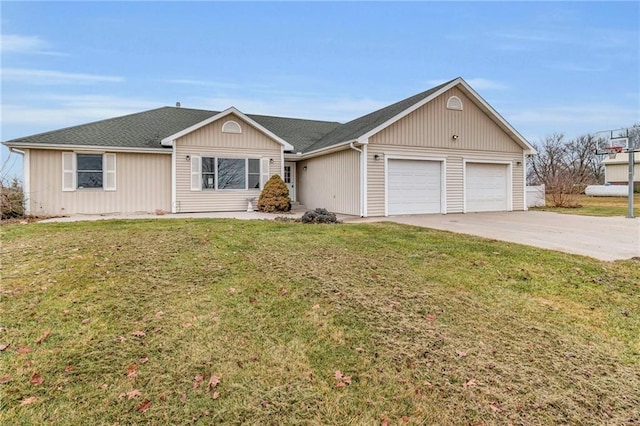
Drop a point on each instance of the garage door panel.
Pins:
(486, 187)
(414, 186)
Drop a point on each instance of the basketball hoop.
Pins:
(612, 151)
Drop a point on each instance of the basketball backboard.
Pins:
(618, 140)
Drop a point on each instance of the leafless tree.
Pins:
(566, 167)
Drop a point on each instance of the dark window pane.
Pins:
(89, 162)
(208, 181)
(254, 166)
(231, 173)
(208, 165)
(89, 179)
(254, 181)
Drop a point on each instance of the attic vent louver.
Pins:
(177, 104)
(454, 103)
(231, 127)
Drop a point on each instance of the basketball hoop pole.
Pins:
(631, 160)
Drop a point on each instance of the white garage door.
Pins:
(486, 188)
(413, 186)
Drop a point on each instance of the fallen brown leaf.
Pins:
(28, 401)
(133, 394)
(470, 383)
(347, 379)
(5, 379)
(122, 339)
(44, 336)
(215, 395)
(3, 347)
(86, 321)
(144, 359)
(213, 382)
(315, 307)
(183, 398)
(384, 422)
(144, 406)
(197, 380)
(232, 290)
(283, 292)
(68, 368)
(36, 379)
(405, 419)
(495, 408)
(24, 350)
(159, 314)
(431, 317)
(340, 385)
(338, 375)
(131, 371)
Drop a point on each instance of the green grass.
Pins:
(596, 206)
(432, 327)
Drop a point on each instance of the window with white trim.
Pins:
(88, 171)
(228, 173)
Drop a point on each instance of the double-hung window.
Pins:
(88, 171)
(228, 173)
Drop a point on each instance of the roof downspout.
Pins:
(362, 168)
(26, 177)
(174, 195)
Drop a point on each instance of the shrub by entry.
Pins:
(319, 216)
(274, 196)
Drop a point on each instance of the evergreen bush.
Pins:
(319, 216)
(274, 196)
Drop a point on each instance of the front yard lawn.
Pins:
(597, 206)
(256, 322)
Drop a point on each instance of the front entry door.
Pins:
(290, 179)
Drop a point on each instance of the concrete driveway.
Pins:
(604, 238)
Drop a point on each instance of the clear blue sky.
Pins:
(547, 67)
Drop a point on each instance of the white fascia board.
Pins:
(101, 148)
(327, 150)
(168, 141)
(528, 148)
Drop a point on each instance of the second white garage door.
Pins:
(414, 186)
(487, 187)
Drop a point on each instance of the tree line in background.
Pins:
(566, 166)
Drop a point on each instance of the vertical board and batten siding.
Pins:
(427, 133)
(209, 141)
(331, 182)
(143, 184)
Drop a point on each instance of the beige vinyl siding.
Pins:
(209, 141)
(617, 170)
(143, 185)
(427, 133)
(454, 174)
(433, 125)
(331, 181)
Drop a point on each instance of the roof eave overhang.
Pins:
(67, 147)
(322, 151)
(169, 140)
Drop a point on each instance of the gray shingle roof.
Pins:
(147, 129)
(141, 130)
